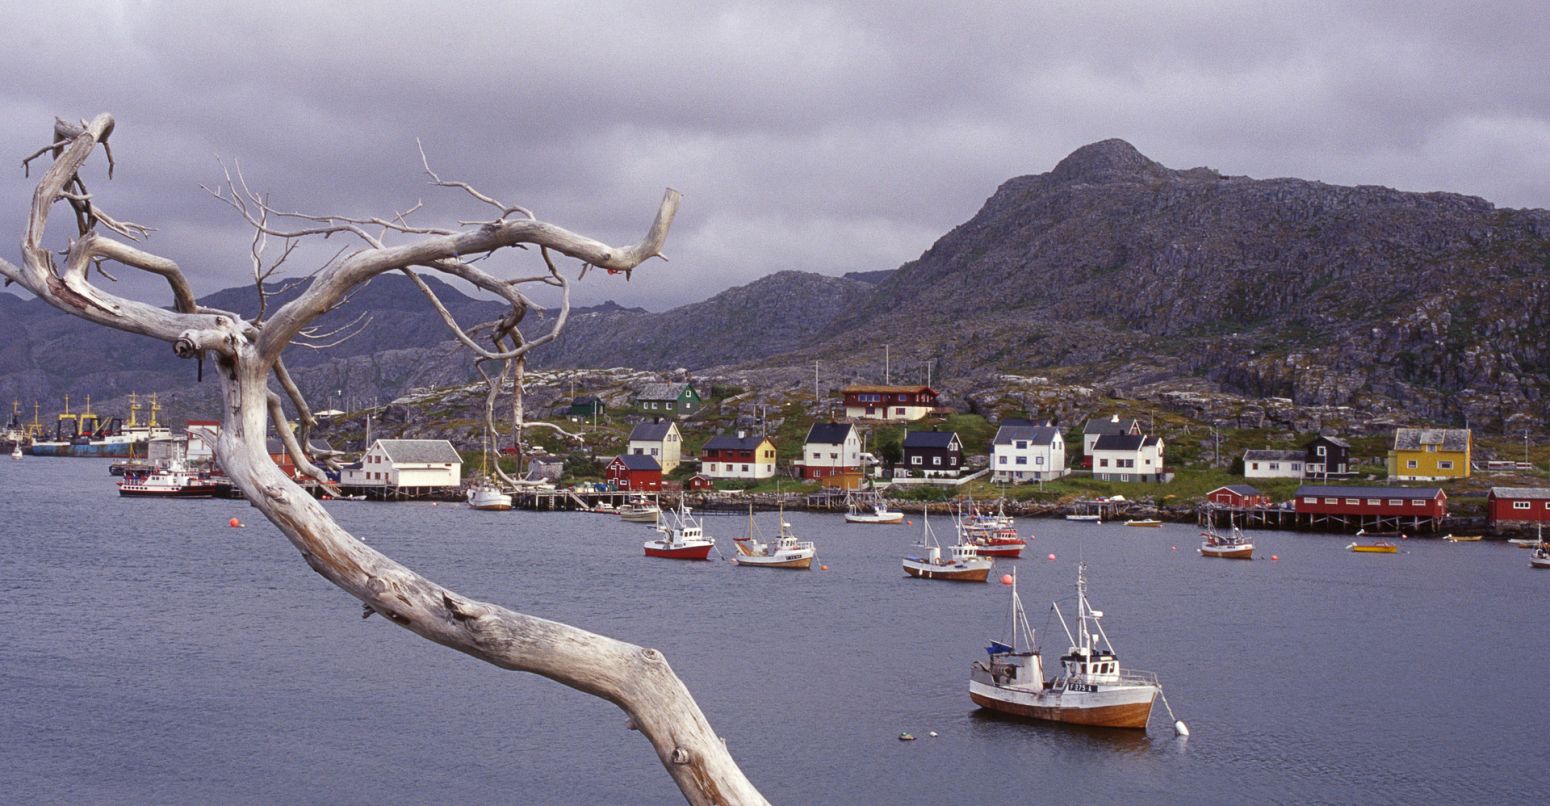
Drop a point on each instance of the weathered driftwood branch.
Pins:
(247, 354)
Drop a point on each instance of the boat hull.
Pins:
(1228, 552)
(953, 573)
(681, 552)
(186, 491)
(798, 563)
(1133, 715)
(1147, 524)
(1009, 550)
(1374, 549)
(890, 518)
(1539, 562)
(639, 517)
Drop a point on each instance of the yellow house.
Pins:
(1430, 454)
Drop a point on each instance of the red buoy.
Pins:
(1274, 557)
(1006, 579)
(1052, 556)
(234, 523)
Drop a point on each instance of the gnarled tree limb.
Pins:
(247, 353)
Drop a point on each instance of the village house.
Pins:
(931, 454)
(739, 457)
(1272, 464)
(831, 450)
(1430, 454)
(673, 398)
(411, 466)
(1027, 453)
(889, 403)
(1516, 506)
(660, 440)
(634, 472)
(1238, 496)
(1099, 426)
(1372, 502)
(1129, 457)
(1327, 457)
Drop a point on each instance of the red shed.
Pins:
(1238, 496)
(1517, 505)
(1372, 502)
(635, 472)
(701, 482)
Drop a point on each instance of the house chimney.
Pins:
(741, 434)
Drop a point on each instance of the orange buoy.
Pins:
(1173, 548)
(823, 567)
(234, 523)
(1274, 557)
(1006, 579)
(909, 523)
(1052, 556)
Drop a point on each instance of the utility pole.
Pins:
(816, 398)
(929, 362)
(886, 380)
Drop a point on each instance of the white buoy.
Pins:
(1180, 728)
(932, 734)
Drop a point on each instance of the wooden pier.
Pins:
(1282, 518)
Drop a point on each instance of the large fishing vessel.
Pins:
(85, 433)
(1089, 688)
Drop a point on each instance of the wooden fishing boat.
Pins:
(1380, 547)
(869, 508)
(786, 551)
(639, 510)
(1144, 522)
(1462, 538)
(486, 495)
(681, 539)
(1090, 688)
(1231, 546)
(963, 563)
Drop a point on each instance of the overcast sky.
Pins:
(832, 137)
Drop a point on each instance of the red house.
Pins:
(1380, 502)
(1506, 505)
(1238, 496)
(635, 472)
(904, 403)
(701, 482)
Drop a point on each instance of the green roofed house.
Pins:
(670, 398)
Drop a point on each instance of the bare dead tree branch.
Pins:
(247, 353)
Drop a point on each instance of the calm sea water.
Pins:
(151, 654)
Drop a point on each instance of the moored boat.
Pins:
(994, 534)
(681, 539)
(1524, 542)
(871, 509)
(639, 510)
(785, 551)
(1085, 518)
(1462, 538)
(486, 496)
(1089, 687)
(963, 563)
(172, 481)
(16, 452)
(1231, 546)
(1380, 547)
(1144, 522)
(1541, 557)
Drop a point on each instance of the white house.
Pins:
(1268, 464)
(406, 464)
(1027, 453)
(659, 440)
(831, 449)
(1129, 457)
(1098, 426)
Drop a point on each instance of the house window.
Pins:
(1296, 468)
(1273, 466)
(936, 460)
(1255, 466)
(1331, 500)
(1124, 477)
(914, 460)
(1021, 445)
(1022, 460)
(899, 411)
(1103, 463)
(1372, 502)
(1444, 464)
(1038, 460)
(1353, 500)
(1001, 460)
(745, 468)
(1319, 451)
(1310, 500)
(1520, 505)
(1410, 464)
(1396, 502)
(668, 405)
(653, 451)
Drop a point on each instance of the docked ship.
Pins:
(175, 480)
(88, 434)
(1088, 689)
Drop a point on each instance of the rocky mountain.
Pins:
(1110, 271)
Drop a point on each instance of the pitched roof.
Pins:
(1036, 434)
(1331, 440)
(1123, 442)
(1240, 489)
(1023, 421)
(661, 391)
(650, 432)
(637, 461)
(1369, 492)
(913, 390)
(930, 439)
(828, 433)
(1268, 455)
(1411, 439)
(729, 442)
(1110, 425)
(420, 451)
(1536, 493)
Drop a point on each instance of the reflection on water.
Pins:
(994, 726)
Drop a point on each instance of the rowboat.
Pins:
(1146, 522)
(1462, 538)
(1380, 547)
(1524, 542)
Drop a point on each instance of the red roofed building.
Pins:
(1238, 496)
(895, 403)
(635, 472)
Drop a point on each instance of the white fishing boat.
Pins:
(962, 564)
(16, 452)
(1524, 542)
(1085, 518)
(640, 510)
(1231, 546)
(785, 551)
(869, 508)
(1541, 557)
(1089, 688)
(485, 494)
(174, 480)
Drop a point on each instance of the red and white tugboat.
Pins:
(172, 481)
(1089, 689)
(963, 563)
(994, 534)
(683, 539)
